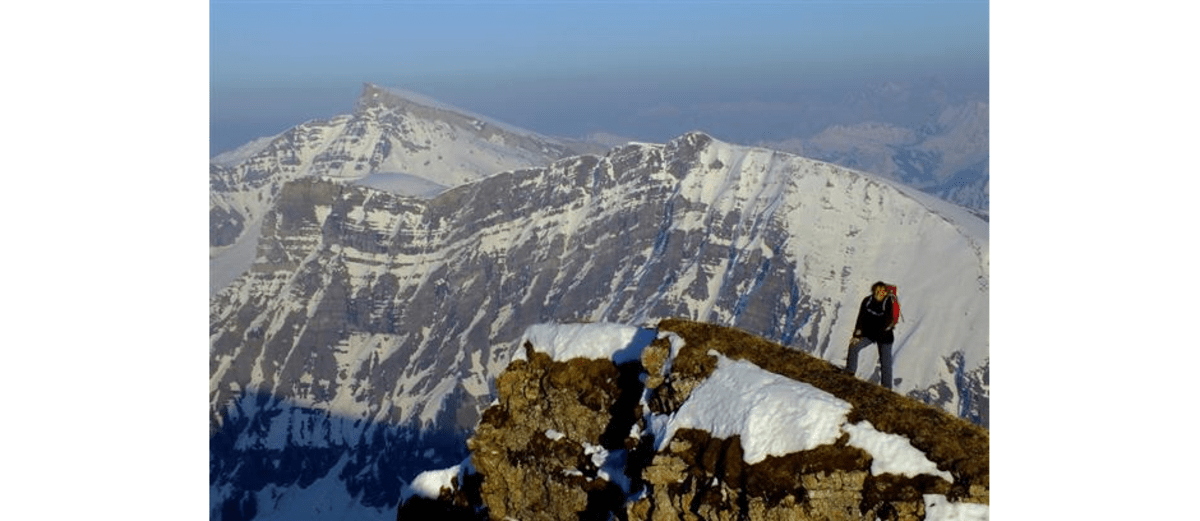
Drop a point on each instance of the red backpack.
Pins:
(891, 293)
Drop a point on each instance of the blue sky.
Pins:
(646, 69)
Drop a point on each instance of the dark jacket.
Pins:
(875, 320)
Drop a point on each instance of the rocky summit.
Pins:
(691, 420)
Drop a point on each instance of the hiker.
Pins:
(876, 318)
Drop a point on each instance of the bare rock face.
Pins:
(541, 449)
(575, 439)
(702, 477)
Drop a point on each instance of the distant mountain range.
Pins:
(947, 156)
(362, 338)
(409, 144)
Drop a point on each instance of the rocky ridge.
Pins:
(589, 437)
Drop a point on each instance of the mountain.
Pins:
(395, 140)
(365, 341)
(928, 133)
(946, 156)
(690, 420)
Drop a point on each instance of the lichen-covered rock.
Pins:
(540, 449)
(575, 439)
(699, 475)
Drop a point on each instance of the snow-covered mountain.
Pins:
(394, 140)
(947, 156)
(364, 342)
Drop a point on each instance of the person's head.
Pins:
(879, 290)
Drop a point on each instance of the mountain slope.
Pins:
(364, 342)
(390, 133)
(946, 156)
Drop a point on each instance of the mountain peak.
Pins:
(394, 138)
(373, 94)
(399, 99)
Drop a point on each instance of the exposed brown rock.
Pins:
(954, 444)
(531, 448)
(527, 473)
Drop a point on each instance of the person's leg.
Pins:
(852, 356)
(885, 365)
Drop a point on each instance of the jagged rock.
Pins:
(535, 448)
(669, 391)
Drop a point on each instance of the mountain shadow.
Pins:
(288, 445)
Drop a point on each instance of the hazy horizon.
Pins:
(742, 71)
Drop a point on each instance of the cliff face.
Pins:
(388, 134)
(707, 422)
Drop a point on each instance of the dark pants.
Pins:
(885, 360)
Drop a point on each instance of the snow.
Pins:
(430, 483)
(676, 343)
(596, 341)
(244, 152)
(326, 498)
(403, 184)
(421, 99)
(598, 454)
(938, 508)
(774, 415)
(893, 454)
(228, 263)
(610, 465)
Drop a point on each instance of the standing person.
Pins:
(874, 324)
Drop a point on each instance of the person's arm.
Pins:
(858, 322)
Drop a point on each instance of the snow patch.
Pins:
(429, 484)
(403, 184)
(322, 212)
(610, 465)
(938, 508)
(774, 415)
(891, 453)
(596, 341)
(326, 498)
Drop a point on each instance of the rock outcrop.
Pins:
(587, 438)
